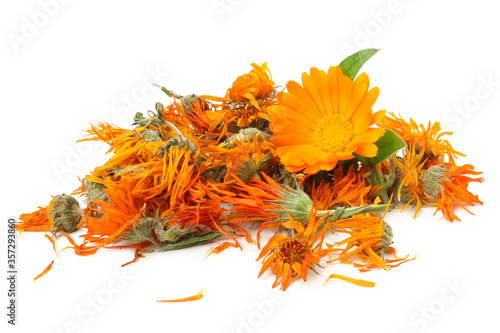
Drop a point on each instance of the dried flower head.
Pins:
(455, 190)
(429, 139)
(62, 213)
(65, 213)
(290, 258)
(255, 85)
(247, 100)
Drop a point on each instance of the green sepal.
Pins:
(141, 231)
(385, 240)
(387, 145)
(159, 106)
(140, 120)
(197, 238)
(95, 191)
(248, 169)
(352, 64)
(65, 214)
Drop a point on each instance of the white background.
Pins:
(84, 61)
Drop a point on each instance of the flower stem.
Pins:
(173, 128)
(345, 212)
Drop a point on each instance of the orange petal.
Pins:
(358, 282)
(367, 150)
(44, 271)
(185, 299)
(292, 224)
(53, 243)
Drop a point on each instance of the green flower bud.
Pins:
(432, 179)
(385, 241)
(64, 213)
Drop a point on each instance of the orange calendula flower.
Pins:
(248, 98)
(369, 238)
(442, 185)
(195, 109)
(254, 85)
(455, 192)
(409, 189)
(325, 120)
(430, 138)
(62, 213)
(290, 258)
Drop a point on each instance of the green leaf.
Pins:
(387, 145)
(197, 238)
(352, 64)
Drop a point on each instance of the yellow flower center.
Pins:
(292, 251)
(333, 134)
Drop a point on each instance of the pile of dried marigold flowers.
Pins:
(312, 162)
